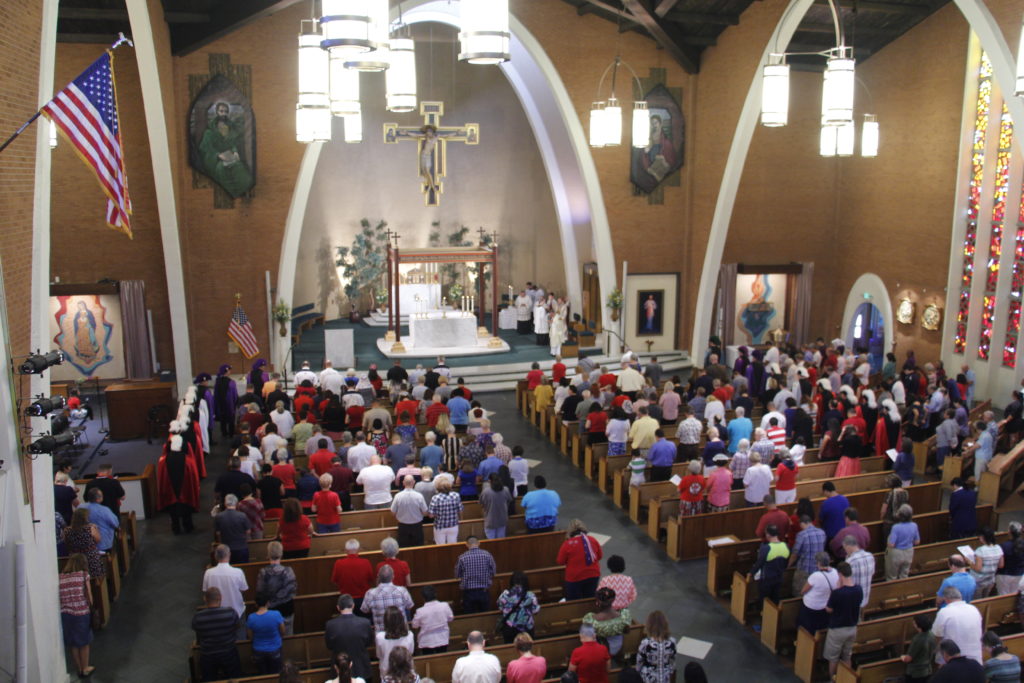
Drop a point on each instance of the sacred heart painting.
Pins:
(85, 331)
(222, 136)
(663, 155)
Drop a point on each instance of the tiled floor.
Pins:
(149, 635)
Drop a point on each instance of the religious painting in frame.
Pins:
(222, 136)
(650, 311)
(931, 317)
(760, 306)
(663, 155)
(905, 311)
(87, 329)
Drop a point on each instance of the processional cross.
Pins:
(432, 139)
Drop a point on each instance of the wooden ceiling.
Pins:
(683, 28)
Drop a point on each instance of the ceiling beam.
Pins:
(881, 7)
(225, 17)
(702, 41)
(99, 14)
(664, 6)
(866, 33)
(96, 38)
(667, 35)
(685, 17)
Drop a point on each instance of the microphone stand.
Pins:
(284, 370)
(100, 399)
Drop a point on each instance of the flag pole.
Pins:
(121, 40)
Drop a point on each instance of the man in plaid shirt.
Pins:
(385, 595)
(809, 542)
(863, 565)
(763, 446)
(689, 432)
(476, 569)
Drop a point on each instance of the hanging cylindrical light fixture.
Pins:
(314, 102)
(400, 80)
(869, 136)
(775, 92)
(346, 25)
(353, 128)
(827, 143)
(378, 58)
(484, 37)
(53, 135)
(845, 138)
(612, 122)
(344, 88)
(597, 124)
(641, 124)
(837, 92)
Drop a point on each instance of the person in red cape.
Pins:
(177, 484)
(888, 427)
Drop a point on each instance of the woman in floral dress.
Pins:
(656, 656)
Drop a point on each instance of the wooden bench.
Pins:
(428, 562)
(371, 519)
(999, 478)
(687, 536)
(890, 635)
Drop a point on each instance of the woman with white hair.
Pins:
(868, 408)
(714, 412)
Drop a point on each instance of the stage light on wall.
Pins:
(641, 125)
(44, 406)
(400, 80)
(346, 25)
(344, 88)
(314, 83)
(378, 58)
(36, 363)
(484, 37)
(775, 92)
(837, 91)
(869, 136)
(353, 128)
(51, 442)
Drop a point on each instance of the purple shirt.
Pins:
(662, 453)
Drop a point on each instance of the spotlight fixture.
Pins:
(36, 364)
(59, 423)
(44, 406)
(51, 442)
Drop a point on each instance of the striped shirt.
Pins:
(863, 565)
(73, 586)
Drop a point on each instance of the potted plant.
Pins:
(615, 302)
(282, 315)
(381, 299)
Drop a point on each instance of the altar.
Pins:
(413, 298)
(437, 330)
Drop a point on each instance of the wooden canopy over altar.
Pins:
(481, 255)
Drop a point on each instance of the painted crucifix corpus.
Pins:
(432, 138)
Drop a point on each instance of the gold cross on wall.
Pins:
(432, 139)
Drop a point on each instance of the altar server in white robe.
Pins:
(524, 312)
(540, 323)
(559, 330)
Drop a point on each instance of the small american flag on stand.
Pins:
(240, 331)
(85, 111)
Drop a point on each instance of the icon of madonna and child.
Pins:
(756, 315)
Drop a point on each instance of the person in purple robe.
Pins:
(204, 394)
(743, 361)
(257, 377)
(225, 401)
(757, 378)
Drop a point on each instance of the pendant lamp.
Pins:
(485, 34)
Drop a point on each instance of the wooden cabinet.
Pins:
(128, 406)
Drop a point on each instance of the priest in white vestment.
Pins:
(524, 312)
(559, 330)
(540, 323)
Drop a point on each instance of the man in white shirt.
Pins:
(359, 456)
(771, 354)
(230, 581)
(352, 397)
(630, 382)
(524, 312)
(271, 441)
(376, 480)
(442, 368)
(767, 418)
(419, 390)
(961, 622)
(283, 419)
(478, 666)
(332, 381)
(757, 481)
(306, 374)
(327, 374)
(409, 508)
(899, 393)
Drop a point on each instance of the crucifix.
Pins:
(432, 139)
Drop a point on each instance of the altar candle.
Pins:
(510, 297)
(472, 303)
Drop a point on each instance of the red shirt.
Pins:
(466, 393)
(410, 406)
(303, 402)
(434, 411)
(776, 517)
(74, 403)
(286, 473)
(254, 420)
(598, 422)
(527, 670)
(619, 400)
(353, 575)
(723, 394)
(607, 380)
(691, 488)
(533, 379)
(786, 477)
(777, 435)
(557, 372)
(327, 504)
(401, 569)
(342, 478)
(355, 416)
(320, 461)
(294, 535)
(860, 425)
(591, 662)
(572, 555)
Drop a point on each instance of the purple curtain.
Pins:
(137, 361)
(725, 325)
(802, 314)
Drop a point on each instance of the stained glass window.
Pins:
(995, 245)
(982, 107)
(1016, 289)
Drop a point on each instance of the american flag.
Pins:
(86, 113)
(240, 330)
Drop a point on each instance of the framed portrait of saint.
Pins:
(222, 136)
(663, 155)
(650, 312)
(905, 311)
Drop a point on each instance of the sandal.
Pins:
(85, 673)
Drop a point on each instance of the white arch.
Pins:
(572, 175)
(869, 288)
(1003, 67)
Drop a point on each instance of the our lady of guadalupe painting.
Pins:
(764, 308)
(85, 332)
(222, 136)
(663, 155)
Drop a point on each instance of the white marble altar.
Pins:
(456, 328)
(429, 298)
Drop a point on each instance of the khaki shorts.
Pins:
(839, 643)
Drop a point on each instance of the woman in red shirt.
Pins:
(389, 549)
(785, 478)
(597, 422)
(581, 556)
(327, 506)
(692, 488)
(294, 530)
(285, 471)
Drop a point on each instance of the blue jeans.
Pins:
(267, 662)
(328, 528)
(940, 455)
(495, 533)
(475, 600)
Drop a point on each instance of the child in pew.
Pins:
(921, 652)
(637, 467)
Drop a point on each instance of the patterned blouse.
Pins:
(517, 611)
(380, 441)
(73, 600)
(609, 627)
(81, 541)
(656, 660)
(625, 590)
(253, 509)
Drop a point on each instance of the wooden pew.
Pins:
(428, 562)
(687, 536)
(999, 478)
(890, 635)
(725, 560)
(327, 544)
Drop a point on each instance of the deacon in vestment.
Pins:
(559, 331)
(177, 482)
(540, 323)
(225, 401)
(524, 312)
